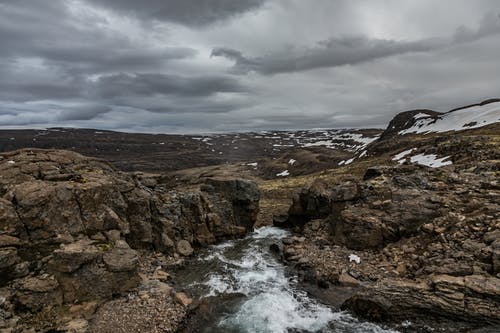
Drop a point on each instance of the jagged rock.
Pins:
(347, 281)
(244, 196)
(113, 235)
(492, 236)
(71, 257)
(183, 299)
(75, 326)
(184, 248)
(10, 224)
(34, 293)
(470, 298)
(121, 258)
(369, 214)
(8, 257)
(53, 201)
(495, 256)
(10, 265)
(78, 265)
(6, 240)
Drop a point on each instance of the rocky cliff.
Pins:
(75, 233)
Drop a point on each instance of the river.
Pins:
(248, 290)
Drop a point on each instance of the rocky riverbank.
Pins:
(76, 234)
(402, 242)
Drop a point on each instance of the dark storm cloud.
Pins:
(351, 50)
(146, 65)
(31, 30)
(331, 53)
(86, 112)
(147, 84)
(52, 53)
(188, 12)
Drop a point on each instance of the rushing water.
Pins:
(249, 291)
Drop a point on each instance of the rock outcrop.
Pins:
(427, 240)
(73, 229)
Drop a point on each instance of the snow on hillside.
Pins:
(337, 139)
(430, 160)
(472, 117)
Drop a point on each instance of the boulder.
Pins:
(472, 298)
(121, 258)
(35, 293)
(79, 265)
(184, 248)
(72, 256)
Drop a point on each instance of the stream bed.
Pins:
(245, 288)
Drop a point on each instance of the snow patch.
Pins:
(430, 160)
(254, 164)
(292, 161)
(421, 115)
(472, 117)
(283, 174)
(355, 258)
(400, 157)
(349, 161)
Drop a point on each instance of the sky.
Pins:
(200, 66)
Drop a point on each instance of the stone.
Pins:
(183, 299)
(166, 241)
(8, 257)
(492, 236)
(184, 248)
(75, 326)
(346, 280)
(113, 235)
(72, 256)
(121, 258)
(6, 241)
(35, 293)
(160, 275)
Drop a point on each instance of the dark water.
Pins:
(246, 289)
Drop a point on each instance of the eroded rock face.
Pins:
(71, 227)
(391, 204)
(473, 297)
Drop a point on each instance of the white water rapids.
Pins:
(269, 299)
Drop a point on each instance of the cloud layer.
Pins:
(218, 65)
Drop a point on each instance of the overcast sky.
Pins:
(183, 66)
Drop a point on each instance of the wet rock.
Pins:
(280, 220)
(276, 248)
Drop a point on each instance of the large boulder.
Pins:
(473, 298)
(87, 271)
